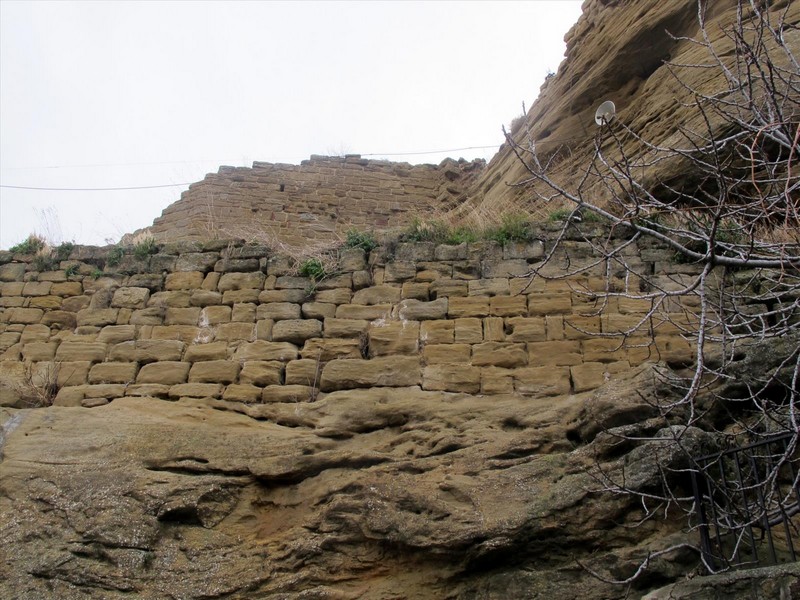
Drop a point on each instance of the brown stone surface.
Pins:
(396, 371)
(113, 372)
(164, 372)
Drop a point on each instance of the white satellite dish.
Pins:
(605, 113)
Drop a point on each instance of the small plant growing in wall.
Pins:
(115, 256)
(64, 250)
(312, 268)
(360, 239)
(145, 248)
(31, 245)
(514, 227)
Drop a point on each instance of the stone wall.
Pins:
(236, 322)
(320, 199)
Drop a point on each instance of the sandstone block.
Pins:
(278, 311)
(390, 338)
(8, 339)
(12, 302)
(416, 310)
(415, 251)
(305, 371)
(296, 331)
(178, 299)
(75, 303)
(182, 316)
(205, 298)
(437, 332)
(146, 351)
(499, 354)
(603, 350)
(495, 380)
(240, 297)
(148, 316)
(195, 390)
(325, 349)
(395, 371)
(214, 315)
(69, 396)
(35, 333)
(451, 378)
(288, 393)
(130, 297)
(13, 288)
(488, 287)
(103, 390)
(37, 288)
(210, 351)
(165, 372)
(151, 390)
(154, 282)
(368, 313)
(525, 329)
(237, 392)
(113, 372)
(559, 353)
(261, 350)
(526, 250)
(98, 317)
(73, 373)
(60, 319)
(264, 329)
(494, 329)
(79, 351)
(232, 332)
(415, 291)
(261, 372)
(427, 272)
(39, 351)
(472, 306)
(344, 280)
(581, 328)
(542, 381)
(291, 282)
(549, 304)
(185, 280)
(291, 296)
(362, 279)
(241, 281)
(505, 268)
(214, 371)
(448, 288)
(468, 331)
(379, 294)
(467, 270)
(238, 265)
(508, 306)
(114, 334)
(318, 310)
(197, 261)
(244, 312)
(45, 302)
(12, 272)
(399, 271)
(23, 315)
(555, 327)
(352, 259)
(67, 288)
(446, 252)
(185, 333)
(436, 354)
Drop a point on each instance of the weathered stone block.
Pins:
(23, 315)
(337, 296)
(505, 268)
(415, 290)
(164, 373)
(549, 304)
(261, 350)
(214, 315)
(240, 265)
(103, 390)
(205, 298)
(197, 261)
(13, 288)
(12, 272)
(452, 378)
(73, 373)
(178, 299)
(581, 328)
(293, 296)
(379, 294)
(241, 281)
(113, 372)
(210, 351)
(344, 280)
(35, 333)
(468, 331)
(98, 317)
(559, 353)
(244, 312)
(240, 296)
(214, 371)
(37, 288)
(146, 351)
(45, 302)
(399, 271)
(448, 288)
(318, 310)
(8, 339)
(39, 351)
(233, 332)
(488, 287)
(184, 333)
(494, 329)
(435, 354)
(237, 392)
(291, 282)
(304, 372)
(152, 390)
(79, 351)
(67, 288)
(390, 338)
(288, 393)
(352, 259)
(60, 319)
(394, 371)
(508, 306)
(437, 332)
(450, 253)
(130, 297)
(326, 349)
(604, 350)
(415, 310)
(495, 380)
(499, 354)
(525, 329)
(467, 270)
(473, 306)
(261, 372)
(296, 331)
(277, 311)
(148, 316)
(542, 381)
(369, 313)
(195, 390)
(182, 316)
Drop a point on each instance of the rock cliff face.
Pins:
(226, 430)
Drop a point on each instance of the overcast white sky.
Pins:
(129, 94)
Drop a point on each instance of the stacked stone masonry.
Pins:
(216, 320)
(318, 200)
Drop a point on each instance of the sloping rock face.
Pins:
(391, 493)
